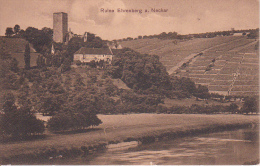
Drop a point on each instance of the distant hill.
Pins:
(16, 47)
(228, 65)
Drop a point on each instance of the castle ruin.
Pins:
(60, 27)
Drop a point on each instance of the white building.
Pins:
(89, 54)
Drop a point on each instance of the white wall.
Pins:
(90, 57)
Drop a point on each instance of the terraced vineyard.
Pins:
(227, 65)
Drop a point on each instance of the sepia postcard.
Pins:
(129, 82)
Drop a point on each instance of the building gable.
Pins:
(94, 51)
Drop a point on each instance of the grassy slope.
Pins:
(120, 127)
(16, 47)
(14, 44)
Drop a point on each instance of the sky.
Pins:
(182, 16)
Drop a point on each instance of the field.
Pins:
(190, 101)
(121, 127)
(226, 62)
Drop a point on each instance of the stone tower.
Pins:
(60, 27)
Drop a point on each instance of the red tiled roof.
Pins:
(95, 51)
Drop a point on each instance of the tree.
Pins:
(250, 105)
(187, 85)
(140, 71)
(23, 96)
(93, 64)
(66, 65)
(68, 82)
(79, 111)
(40, 39)
(233, 108)
(254, 34)
(111, 89)
(9, 32)
(56, 59)
(60, 122)
(74, 45)
(94, 120)
(18, 122)
(8, 79)
(27, 56)
(14, 65)
(184, 87)
(40, 61)
(72, 121)
(9, 103)
(16, 29)
(51, 96)
(202, 92)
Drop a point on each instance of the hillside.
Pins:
(14, 44)
(228, 65)
(16, 47)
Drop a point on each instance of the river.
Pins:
(221, 148)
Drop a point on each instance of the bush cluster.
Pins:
(18, 122)
(72, 121)
(139, 71)
(145, 74)
(208, 109)
(137, 106)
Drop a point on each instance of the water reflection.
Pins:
(229, 147)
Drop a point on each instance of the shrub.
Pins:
(60, 122)
(66, 65)
(250, 105)
(65, 121)
(78, 62)
(17, 122)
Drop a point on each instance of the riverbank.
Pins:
(118, 128)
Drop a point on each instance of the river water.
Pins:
(222, 148)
